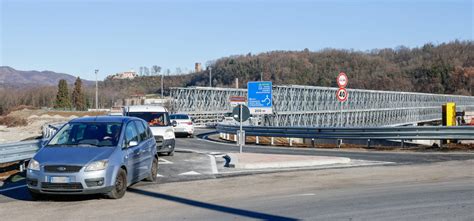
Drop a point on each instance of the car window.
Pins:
(154, 119)
(179, 117)
(141, 130)
(88, 133)
(131, 133)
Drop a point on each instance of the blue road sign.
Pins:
(259, 97)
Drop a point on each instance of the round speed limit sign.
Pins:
(342, 80)
(342, 94)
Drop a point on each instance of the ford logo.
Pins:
(61, 168)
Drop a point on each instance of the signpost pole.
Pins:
(241, 139)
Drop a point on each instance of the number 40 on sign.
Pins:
(342, 94)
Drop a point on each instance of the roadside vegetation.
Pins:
(446, 68)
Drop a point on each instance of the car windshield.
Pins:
(154, 119)
(97, 134)
(179, 117)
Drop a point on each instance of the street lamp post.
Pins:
(96, 91)
(210, 76)
(162, 85)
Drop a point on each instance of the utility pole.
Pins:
(261, 76)
(210, 76)
(162, 85)
(96, 90)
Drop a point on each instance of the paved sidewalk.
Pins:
(263, 161)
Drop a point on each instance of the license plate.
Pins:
(59, 179)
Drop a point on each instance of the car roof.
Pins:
(179, 115)
(146, 108)
(105, 119)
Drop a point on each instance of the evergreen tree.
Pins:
(62, 97)
(78, 100)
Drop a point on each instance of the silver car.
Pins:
(93, 155)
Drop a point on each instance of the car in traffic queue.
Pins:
(158, 120)
(94, 155)
(183, 124)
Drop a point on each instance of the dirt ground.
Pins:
(36, 119)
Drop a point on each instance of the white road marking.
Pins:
(159, 175)
(189, 173)
(164, 161)
(12, 188)
(213, 164)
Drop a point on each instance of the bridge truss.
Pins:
(311, 106)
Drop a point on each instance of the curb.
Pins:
(234, 162)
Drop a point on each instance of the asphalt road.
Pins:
(440, 191)
(208, 146)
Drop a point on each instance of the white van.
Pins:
(158, 119)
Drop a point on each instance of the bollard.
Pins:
(368, 143)
(290, 141)
(257, 141)
(272, 141)
(312, 142)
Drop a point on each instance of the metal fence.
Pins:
(310, 106)
(373, 133)
(18, 151)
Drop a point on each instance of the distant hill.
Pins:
(9, 77)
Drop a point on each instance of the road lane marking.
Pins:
(163, 161)
(189, 173)
(12, 188)
(159, 175)
(213, 164)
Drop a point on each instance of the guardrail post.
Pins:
(257, 141)
(290, 141)
(272, 141)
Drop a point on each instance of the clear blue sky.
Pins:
(76, 37)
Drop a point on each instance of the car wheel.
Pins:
(171, 153)
(120, 186)
(153, 171)
(36, 196)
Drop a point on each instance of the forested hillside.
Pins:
(446, 68)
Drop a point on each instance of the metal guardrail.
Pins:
(50, 129)
(374, 133)
(24, 150)
(18, 151)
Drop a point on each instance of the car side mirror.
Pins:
(132, 143)
(174, 123)
(44, 142)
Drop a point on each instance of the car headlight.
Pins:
(97, 165)
(34, 165)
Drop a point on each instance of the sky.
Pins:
(77, 37)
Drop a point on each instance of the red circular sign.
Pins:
(342, 94)
(342, 80)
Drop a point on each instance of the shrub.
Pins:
(13, 121)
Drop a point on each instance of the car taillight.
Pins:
(189, 123)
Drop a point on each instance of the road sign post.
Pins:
(241, 113)
(341, 93)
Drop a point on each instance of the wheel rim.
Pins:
(119, 184)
